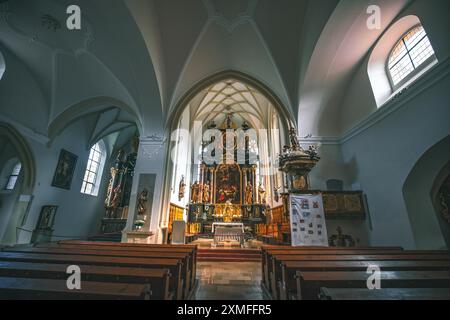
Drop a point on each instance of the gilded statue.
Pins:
(181, 188)
(262, 193)
(142, 202)
(206, 194)
(195, 192)
(115, 203)
(248, 194)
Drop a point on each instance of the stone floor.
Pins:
(229, 281)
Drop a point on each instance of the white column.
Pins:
(150, 160)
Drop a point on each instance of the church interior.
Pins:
(224, 149)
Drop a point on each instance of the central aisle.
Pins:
(229, 281)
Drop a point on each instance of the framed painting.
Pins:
(64, 170)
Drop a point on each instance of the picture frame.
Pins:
(64, 170)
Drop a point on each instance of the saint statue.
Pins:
(295, 145)
(248, 194)
(206, 194)
(142, 202)
(262, 193)
(195, 192)
(181, 188)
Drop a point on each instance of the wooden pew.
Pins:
(45, 289)
(184, 257)
(158, 279)
(288, 285)
(274, 270)
(266, 252)
(385, 294)
(309, 283)
(174, 265)
(191, 250)
(134, 246)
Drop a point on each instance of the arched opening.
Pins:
(17, 169)
(2, 66)
(400, 57)
(226, 135)
(420, 192)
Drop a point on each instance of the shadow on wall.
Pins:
(419, 192)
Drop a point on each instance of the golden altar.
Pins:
(228, 212)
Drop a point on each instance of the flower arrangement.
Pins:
(138, 224)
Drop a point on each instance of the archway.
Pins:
(420, 191)
(228, 104)
(16, 159)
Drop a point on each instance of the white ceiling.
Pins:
(145, 55)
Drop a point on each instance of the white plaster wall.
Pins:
(384, 154)
(78, 214)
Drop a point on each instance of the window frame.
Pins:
(11, 175)
(417, 71)
(97, 174)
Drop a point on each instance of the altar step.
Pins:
(229, 255)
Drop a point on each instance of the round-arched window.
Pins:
(411, 54)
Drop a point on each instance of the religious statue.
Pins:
(262, 193)
(195, 192)
(295, 144)
(206, 194)
(276, 194)
(142, 202)
(181, 188)
(248, 194)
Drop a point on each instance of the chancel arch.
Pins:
(214, 180)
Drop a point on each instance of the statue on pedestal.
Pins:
(181, 188)
(262, 194)
(295, 145)
(248, 194)
(206, 194)
(142, 202)
(195, 192)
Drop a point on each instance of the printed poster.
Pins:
(308, 227)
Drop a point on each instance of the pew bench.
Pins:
(47, 289)
(287, 286)
(184, 257)
(173, 265)
(158, 279)
(309, 283)
(385, 294)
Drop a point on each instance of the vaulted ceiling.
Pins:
(145, 55)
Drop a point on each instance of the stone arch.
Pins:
(287, 116)
(86, 107)
(419, 191)
(25, 155)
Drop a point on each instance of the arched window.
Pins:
(14, 176)
(94, 169)
(410, 55)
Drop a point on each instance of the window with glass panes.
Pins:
(14, 176)
(92, 170)
(409, 53)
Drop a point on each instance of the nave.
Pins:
(132, 271)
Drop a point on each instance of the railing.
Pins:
(229, 237)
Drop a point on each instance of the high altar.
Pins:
(227, 192)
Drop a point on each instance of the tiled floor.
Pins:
(229, 281)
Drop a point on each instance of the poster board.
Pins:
(308, 225)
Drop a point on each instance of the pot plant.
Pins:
(138, 224)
